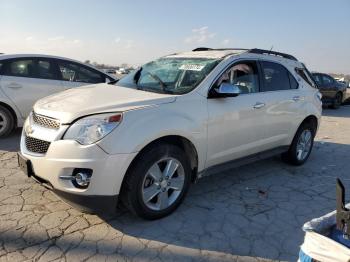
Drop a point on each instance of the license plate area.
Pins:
(25, 165)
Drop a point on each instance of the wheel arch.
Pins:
(177, 140)
(184, 143)
(312, 119)
(12, 111)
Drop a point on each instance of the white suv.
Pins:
(26, 78)
(167, 124)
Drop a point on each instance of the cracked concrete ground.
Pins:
(252, 213)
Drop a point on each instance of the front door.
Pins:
(236, 124)
(27, 80)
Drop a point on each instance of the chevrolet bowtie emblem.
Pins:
(29, 130)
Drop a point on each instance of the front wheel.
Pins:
(300, 149)
(158, 182)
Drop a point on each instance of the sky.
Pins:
(317, 32)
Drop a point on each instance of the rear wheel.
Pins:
(301, 147)
(337, 101)
(158, 182)
(7, 122)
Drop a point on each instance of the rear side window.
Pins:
(303, 73)
(21, 68)
(76, 73)
(293, 83)
(276, 77)
(46, 69)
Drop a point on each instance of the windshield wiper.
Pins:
(138, 75)
(163, 85)
(113, 82)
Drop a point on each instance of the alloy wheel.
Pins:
(304, 144)
(3, 122)
(163, 184)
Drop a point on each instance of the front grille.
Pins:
(36, 145)
(46, 121)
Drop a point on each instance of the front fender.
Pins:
(142, 126)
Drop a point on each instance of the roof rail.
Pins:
(217, 49)
(202, 49)
(253, 51)
(268, 52)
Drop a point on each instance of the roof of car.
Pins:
(215, 54)
(9, 56)
(204, 52)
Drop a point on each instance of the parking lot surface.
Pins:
(252, 213)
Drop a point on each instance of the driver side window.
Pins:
(244, 75)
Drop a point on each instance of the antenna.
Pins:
(343, 214)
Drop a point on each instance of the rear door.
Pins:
(283, 101)
(26, 80)
(329, 86)
(75, 75)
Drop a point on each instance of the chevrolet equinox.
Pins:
(144, 139)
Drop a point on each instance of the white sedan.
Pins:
(24, 79)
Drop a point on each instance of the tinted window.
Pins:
(293, 83)
(275, 77)
(22, 68)
(46, 69)
(76, 73)
(244, 75)
(327, 80)
(305, 75)
(317, 79)
(1, 63)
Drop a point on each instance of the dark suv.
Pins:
(333, 92)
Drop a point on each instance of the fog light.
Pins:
(82, 179)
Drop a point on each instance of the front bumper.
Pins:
(63, 156)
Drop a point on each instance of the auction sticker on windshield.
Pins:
(192, 67)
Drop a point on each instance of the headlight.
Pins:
(91, 129)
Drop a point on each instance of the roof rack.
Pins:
(202, 49)
(217, 49)
(268, 52)
(253, 51)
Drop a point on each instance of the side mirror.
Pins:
(227, 90)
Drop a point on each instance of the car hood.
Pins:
(77, 102)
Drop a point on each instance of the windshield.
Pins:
(170, 75)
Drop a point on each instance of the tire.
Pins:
(139, 185)
(294, 155)
(337, 101)
(7, 122)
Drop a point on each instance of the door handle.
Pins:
(258, 105)
(14, 86)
